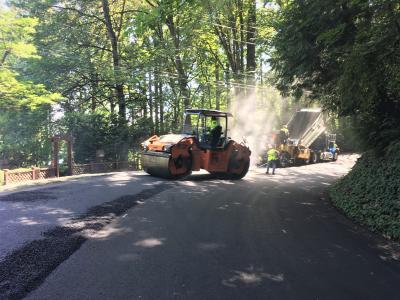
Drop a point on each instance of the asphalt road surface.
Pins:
(131, 236)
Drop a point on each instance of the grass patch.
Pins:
(370, 193)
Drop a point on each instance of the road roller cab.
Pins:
(209, 127)
(203, 144)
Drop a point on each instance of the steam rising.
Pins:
(254, 120)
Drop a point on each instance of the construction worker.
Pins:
(273, 156)
(332, 147)
(216, 132)
(284, 134)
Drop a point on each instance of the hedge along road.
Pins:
(274, 237)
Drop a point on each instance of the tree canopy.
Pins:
(128, 69)
(124, 70)
(16, 48)
(345, 54)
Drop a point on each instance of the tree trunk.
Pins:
(228, 86)
(3, 59)
(156, 108)
(182, 77)
(150, 99)
(241, 28)
(217, 88)
(251, 47)
(95, 88)
(119, 87)
(160, 95)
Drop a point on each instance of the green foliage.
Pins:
(90, 133)
(347, 136)
(96, 131)
(24, 137)
(15, 93)
(165, 56)
(370, 193)
(345, 54)
(16, 36)
(15, 47)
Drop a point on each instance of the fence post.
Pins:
(91, 167)
(5, 176)
(33, 173)
(69, 141)
(37, 172)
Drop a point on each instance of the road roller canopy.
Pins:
(210, 127)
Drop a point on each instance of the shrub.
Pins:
(370, 193)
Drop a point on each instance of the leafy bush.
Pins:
(63, 170)
(370, 193)
(24, 136)
(94, 131)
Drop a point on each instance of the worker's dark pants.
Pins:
(271, 164)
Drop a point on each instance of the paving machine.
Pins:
(308, 140)
(203, 144)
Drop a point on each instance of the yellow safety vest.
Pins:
(285, 130)
(272, 154)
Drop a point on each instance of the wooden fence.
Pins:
(108, 166)
(77, 169)
(22, 176)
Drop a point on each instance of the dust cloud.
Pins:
(255, 117)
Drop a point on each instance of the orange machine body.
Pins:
(187, 155)
(198, 147)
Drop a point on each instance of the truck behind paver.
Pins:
(308, 140)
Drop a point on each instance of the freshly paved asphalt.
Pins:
(264, 237)
(26, 214)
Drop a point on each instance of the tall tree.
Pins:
(251, 42)
(113, 36)
(138, 65)
(234, 22)
(345, 54)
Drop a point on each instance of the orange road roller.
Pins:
(203, 144)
